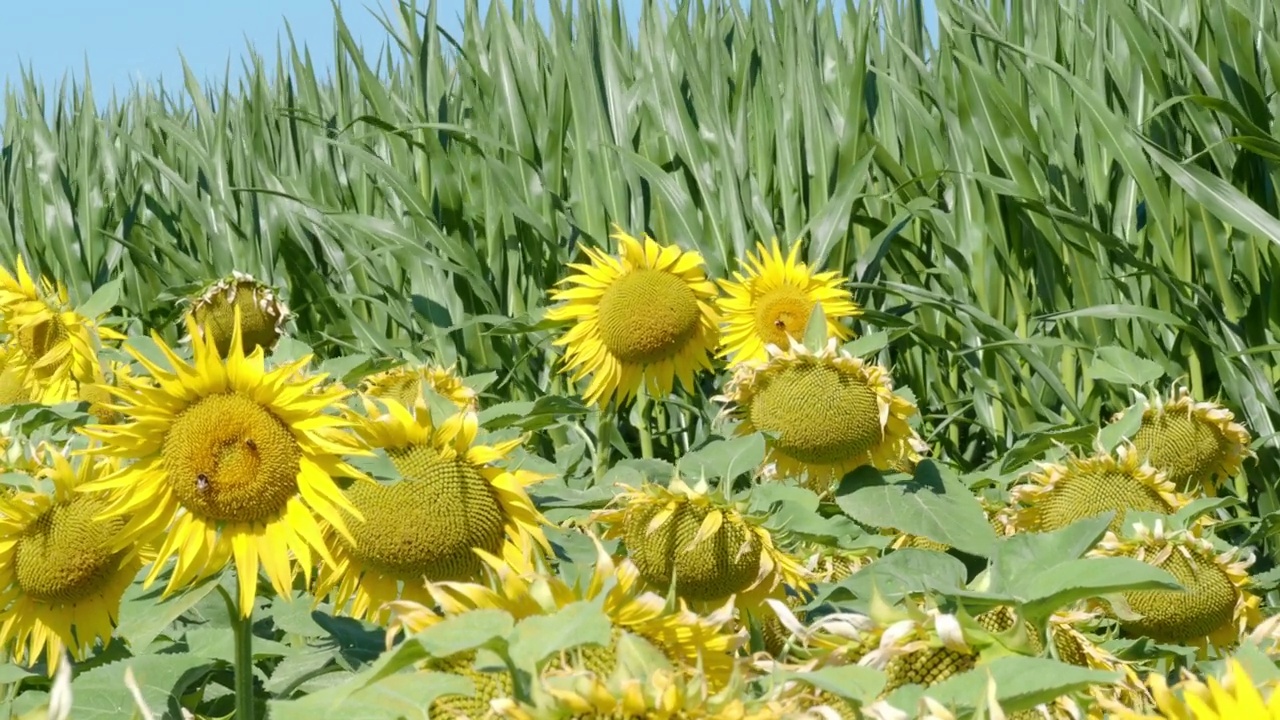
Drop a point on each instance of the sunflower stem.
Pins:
(604, 439)
(242, 627)
(642, 414)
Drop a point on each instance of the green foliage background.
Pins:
(1041, 185)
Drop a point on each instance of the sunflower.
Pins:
(640, 689)
(1214, 609)
(704, 543)
(1233, 696)
(57, 347)
(262, 314)
(828, 411)
(1059, 494)
(1196, 444)
(231, 462)
(405, 383)
(452, 499)
(771, 303)
(62, 573)
(644, 317)
(523, 588)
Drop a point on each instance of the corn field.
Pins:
(1039, 211)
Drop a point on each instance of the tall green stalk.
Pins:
(242, 627)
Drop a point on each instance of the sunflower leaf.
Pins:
(541, 636)
(471, 630)
(144, 616)
(102, 300)
(1014, 554)
(1123, 367)
(1021, 683)
(723, 459)
(909, 570)
(162, 680)
(855, 683)
(815, 332)
(391, 698)
(929, 505)
(867, 344)
(1060, 585)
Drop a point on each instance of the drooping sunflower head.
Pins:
(523, 588)
(405, 384)
(1232, 695)
(230, 461)
(706, 545)
(62, 572)
(828, 413)
(926, 646)
(1069, 644)
(771, 300)
(840, 638)
(56, 347)
(1058, 494)
(641, 686)
(451, 498)
(262, 313)
(1196, 444)
(1214, 609)
(646, 316)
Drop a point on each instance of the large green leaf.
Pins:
(927, 505)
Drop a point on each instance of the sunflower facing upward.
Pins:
(62, 574)
(57, 347)
(771, 303)
(453, 498)
(231, 462)
(645, 317)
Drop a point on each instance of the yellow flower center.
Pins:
(1177, 616)
(257, 319)
(1083, 493)
(39, 340)
(819, 414)
(781, 312)
(230, 459)
(428, 523)
(647, 316)
(1187, 449)
(65, 555)
(725, 563)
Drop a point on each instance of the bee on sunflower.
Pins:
(771, 300)
(231, 462)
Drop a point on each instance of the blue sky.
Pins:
(131, 41)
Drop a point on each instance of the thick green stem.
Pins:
(604, 440)
(642, 415)
(242, 627)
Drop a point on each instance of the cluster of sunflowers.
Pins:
(389, 503)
